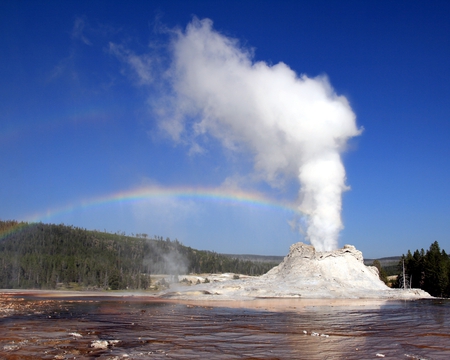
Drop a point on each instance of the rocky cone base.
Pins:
(305, 273)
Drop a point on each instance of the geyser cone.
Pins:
(338, 270)
(307, 273)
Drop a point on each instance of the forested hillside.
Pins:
(428, 270)
(41, 255)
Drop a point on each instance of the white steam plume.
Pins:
(293, 125)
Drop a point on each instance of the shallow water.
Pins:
(143, 328)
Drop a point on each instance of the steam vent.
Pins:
(305, 273)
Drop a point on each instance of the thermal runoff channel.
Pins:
(293, 126)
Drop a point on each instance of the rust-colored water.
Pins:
(144, 328)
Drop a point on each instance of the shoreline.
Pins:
(278, 304)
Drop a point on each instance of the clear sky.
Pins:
(88, 136)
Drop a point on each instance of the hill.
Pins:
(390, 265)
(257, 258)
(37, 255)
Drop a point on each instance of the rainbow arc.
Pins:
(216, 195)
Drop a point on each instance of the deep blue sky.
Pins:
(75, 124)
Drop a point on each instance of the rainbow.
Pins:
(216, 195)
(220, 195)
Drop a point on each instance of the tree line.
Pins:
(428, 270)
(37, 255)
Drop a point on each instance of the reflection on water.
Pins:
(140, 328)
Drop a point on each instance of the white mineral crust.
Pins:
(305, 273)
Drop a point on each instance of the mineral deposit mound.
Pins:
(305, 273)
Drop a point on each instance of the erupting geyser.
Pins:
(293, 126)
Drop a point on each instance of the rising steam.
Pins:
(292, 125)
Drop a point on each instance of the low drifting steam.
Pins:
(294, 126)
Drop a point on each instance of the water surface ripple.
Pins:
(143, 328)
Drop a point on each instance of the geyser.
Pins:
(293, 126)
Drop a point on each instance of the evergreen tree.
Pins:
(436, 276)
(429, 271)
